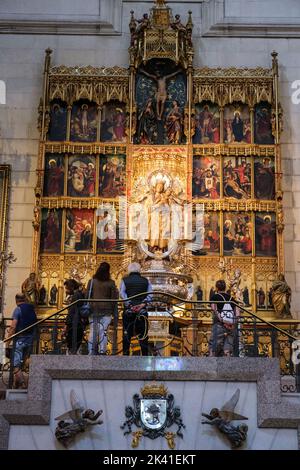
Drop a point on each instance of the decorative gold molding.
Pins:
(266, 265)
(100, 93)
(50, 262)
(98, 84)
(165, 150)
(83, 148)
(87, 71)
(233, 72)
(235, 150)
(224, 86)
(237, 205)
(76, 203)
(222, 92)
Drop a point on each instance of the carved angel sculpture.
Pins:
(75, 421)
(222, 420)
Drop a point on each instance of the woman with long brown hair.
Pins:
(101, 287)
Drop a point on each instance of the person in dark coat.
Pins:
(74, 325)
(135, 316)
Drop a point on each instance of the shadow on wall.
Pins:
(23, 167)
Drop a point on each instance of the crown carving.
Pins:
(154, 389)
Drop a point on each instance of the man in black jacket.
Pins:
(135, 316)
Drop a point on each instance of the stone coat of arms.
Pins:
(153, 413)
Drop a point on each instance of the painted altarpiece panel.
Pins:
(84, 122)
(237, 177)
(81, 176)
(160, 98)
(79, 230)
(112, 176)
(211, 240)
(113, 122)
(237, 234)
(237, 127)
(51, 230)
(206, 178)
(263, 124)
(265, 234)
(207, 123)
(54, 175)
(108, 231)
(58, 121)
(264, 178)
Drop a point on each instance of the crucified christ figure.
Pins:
(161, 94)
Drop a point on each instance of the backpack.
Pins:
(227, 312)
(85, 309)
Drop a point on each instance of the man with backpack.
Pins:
(224, 315)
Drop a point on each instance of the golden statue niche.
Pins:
(160, 132)
(163, 193)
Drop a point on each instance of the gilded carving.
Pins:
(36, 218)
(233, 72)
(234, 149)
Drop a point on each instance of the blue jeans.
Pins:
(221, 340)
(98, 334)
(22, 347)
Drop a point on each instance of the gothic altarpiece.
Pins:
(207, 136)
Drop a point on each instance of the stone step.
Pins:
(16, 394)
(293, 398)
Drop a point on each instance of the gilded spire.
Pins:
(189, 24)
(158, 35)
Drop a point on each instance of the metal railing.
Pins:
(181, 328)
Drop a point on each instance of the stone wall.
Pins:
(227, 33)
(109, 383)
(112, 396)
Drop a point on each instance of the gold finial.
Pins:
(160, 3)
(47, 59)
(154, 389)
(189, 24)
(132, 24)
(274, 55)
